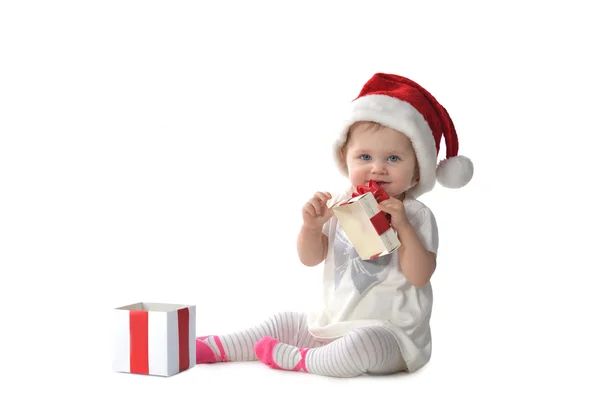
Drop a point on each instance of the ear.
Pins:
(416, 174)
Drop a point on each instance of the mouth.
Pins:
(381, 182)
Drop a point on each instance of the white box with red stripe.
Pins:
(154, 338)
(366, 226)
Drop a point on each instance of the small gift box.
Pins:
(366, 226)
(154, 338)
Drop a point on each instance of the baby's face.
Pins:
(383, 155)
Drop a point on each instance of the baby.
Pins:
(375, 315)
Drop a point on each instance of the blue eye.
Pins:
(365, 157)
(394, 158)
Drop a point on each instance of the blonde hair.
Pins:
(376, 126)
(369, 124)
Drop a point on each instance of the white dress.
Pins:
(359, 293)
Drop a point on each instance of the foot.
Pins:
(209, 350)
(277, 355)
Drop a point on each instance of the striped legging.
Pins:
(368, 350)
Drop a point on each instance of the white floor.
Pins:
(161, 151)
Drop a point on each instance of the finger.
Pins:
(310, 210)
(386, 208)
(323, 196)
(391, 201)
(316, 204)
(384, 203)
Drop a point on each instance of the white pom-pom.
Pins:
(455, 172)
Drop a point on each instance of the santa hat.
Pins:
(401, 104)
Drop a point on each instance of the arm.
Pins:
(312, 246)
(312, 242)
(416, 262)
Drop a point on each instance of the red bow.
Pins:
(381, 225)
(378, 192)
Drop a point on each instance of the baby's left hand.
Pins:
(395, 208)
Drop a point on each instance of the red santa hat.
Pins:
(401, 104)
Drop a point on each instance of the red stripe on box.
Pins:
(138, 342)
(183, 322)
(380, 222)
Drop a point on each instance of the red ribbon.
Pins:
(381, 220)
(183, 325)
(373, 187)
(138, 340)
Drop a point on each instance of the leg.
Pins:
(288, 327)
(369, 350)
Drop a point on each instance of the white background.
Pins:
(162, 151)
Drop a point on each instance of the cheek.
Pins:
(356, 168)
(356, 173)
(402, 176)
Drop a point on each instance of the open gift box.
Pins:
(154, 338)
(365, 225)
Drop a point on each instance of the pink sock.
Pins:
(205, 353)
(265, 349)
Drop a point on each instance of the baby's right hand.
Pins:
(315, 212)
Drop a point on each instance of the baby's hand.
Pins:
(315, 212)
(395, 208)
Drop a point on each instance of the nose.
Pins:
(377, 168)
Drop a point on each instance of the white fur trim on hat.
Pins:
(403, 117)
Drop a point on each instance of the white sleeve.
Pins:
(426, 227)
